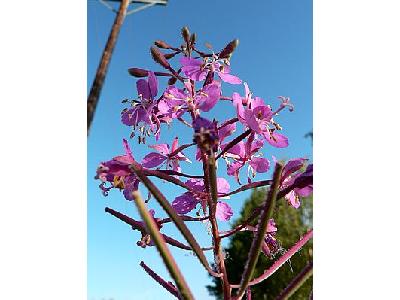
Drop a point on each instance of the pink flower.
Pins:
(256, 115)
(144, 109)
(155, 159)
(246, 152)
(198, 70)
(117, 173)
(188, 201)
(290, 174)
(175, 102)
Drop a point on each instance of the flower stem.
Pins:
(261, 230)
(162, 248)
(296, 283)
(218, 255)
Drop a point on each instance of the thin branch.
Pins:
(180, 149)
(185, 122)
(266, 214)
(234, 142)
(167, 285)
(225, 98)
(218, 256)
(172, 172)
(284, 258)
(228, 122)
(136, 225)
(162, 248)
(248, 186)
(296, 283)
(184, 218)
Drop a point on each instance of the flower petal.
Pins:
(277, 140)
(153, 159)
(259, 164)
(184, 203)
(223, 186)
(229, 78)
(161, 148)
(143, 88)
(223, 211)
(152, 81)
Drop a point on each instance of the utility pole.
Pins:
(98, 82)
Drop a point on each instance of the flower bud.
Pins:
(159, 57)
(185, 34)
(169, 55)
(172, 81)
(136, 72)
(228, 50)
(193, 39)
(162, 44)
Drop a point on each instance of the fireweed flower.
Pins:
(270, 245)
(256, 115)
(117, 174)
(155, 159)
(175, 102)
(144, 109)
(188, 201)
(247, 153)
(290, 173)
(198, 70)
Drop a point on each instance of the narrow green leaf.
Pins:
(261, 230)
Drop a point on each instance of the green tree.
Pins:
(292, 224)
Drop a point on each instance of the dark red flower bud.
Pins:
(162, 44)
(159, 57)
(228, 50)
(172, 81)
(136, 72)
(169, 55)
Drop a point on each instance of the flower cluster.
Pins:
(195, 87)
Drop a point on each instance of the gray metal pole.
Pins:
(98, 82)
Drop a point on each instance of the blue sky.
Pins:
(274, 57)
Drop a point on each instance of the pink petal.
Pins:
(237, 103)
(152, 84)
(161, 148)
(153, 159)
(252, 121)
(143, 88)
(209, 96)
(223, 186)
(233, 168)
(184, 203)
(271, 227)
(187, 61)
(226, 131)
(174, 144)
(229, 78)
(239, 149)
(223, 211)
(259, 164)
(293, 199)
(278, 140)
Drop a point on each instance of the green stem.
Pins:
(162, 248)
(266, 214)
